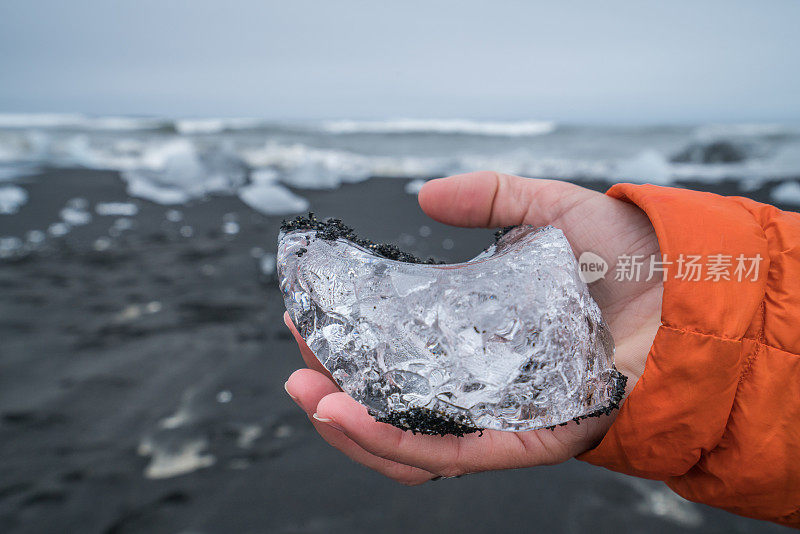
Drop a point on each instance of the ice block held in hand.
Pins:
(510, 340)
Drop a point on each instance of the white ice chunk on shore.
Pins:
(787, 193)
(119, 209)
(510, 340)
(176, 172)
(272, 199)
(183, 458)
(12, 198)
(414, 186)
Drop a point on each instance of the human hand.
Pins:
(592, 222)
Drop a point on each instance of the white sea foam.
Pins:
(77, 121)
(307, 167)
(441, 126)
(124, 123)
(12, 198)
(647, 167)
(213, 126)
(38, 120)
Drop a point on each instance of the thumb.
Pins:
(490, 199)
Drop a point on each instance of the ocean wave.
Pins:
(441, 126)
(75, 121)
(38, 120)
(195, 158)
(215, 126)
(307, 167)
(709, 132)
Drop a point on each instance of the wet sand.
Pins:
(141, 387)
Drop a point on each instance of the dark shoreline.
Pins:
(162, 340)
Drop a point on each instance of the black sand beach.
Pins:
(141, 387)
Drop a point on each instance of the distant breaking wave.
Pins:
(208, 126)
(441, 126)
(72, 121)
(175, 161)
(213, 126)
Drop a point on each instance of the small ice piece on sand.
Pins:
(58, 229)
(230, 228)
(267, 264)
(78, 203)
(413, 187)
(75, 216)
(35, 237)
(102, 243)
(174, 215)
(272, 199)
(167, 462)
(122, 224)
(9, 246)
(510, 340)
(117, 209)
(12, 198)
(248, 436)
(787, 193)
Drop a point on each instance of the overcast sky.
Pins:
(638, 61)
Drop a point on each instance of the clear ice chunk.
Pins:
(510, 340)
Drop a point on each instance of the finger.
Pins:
(308, 357)
(307, 387)
(443, 455)
(404, 474)
(490, 199)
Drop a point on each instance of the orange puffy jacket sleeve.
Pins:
(716, 413)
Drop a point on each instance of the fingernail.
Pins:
(286, 387)
(329, 422)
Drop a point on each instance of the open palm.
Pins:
(592, 222)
